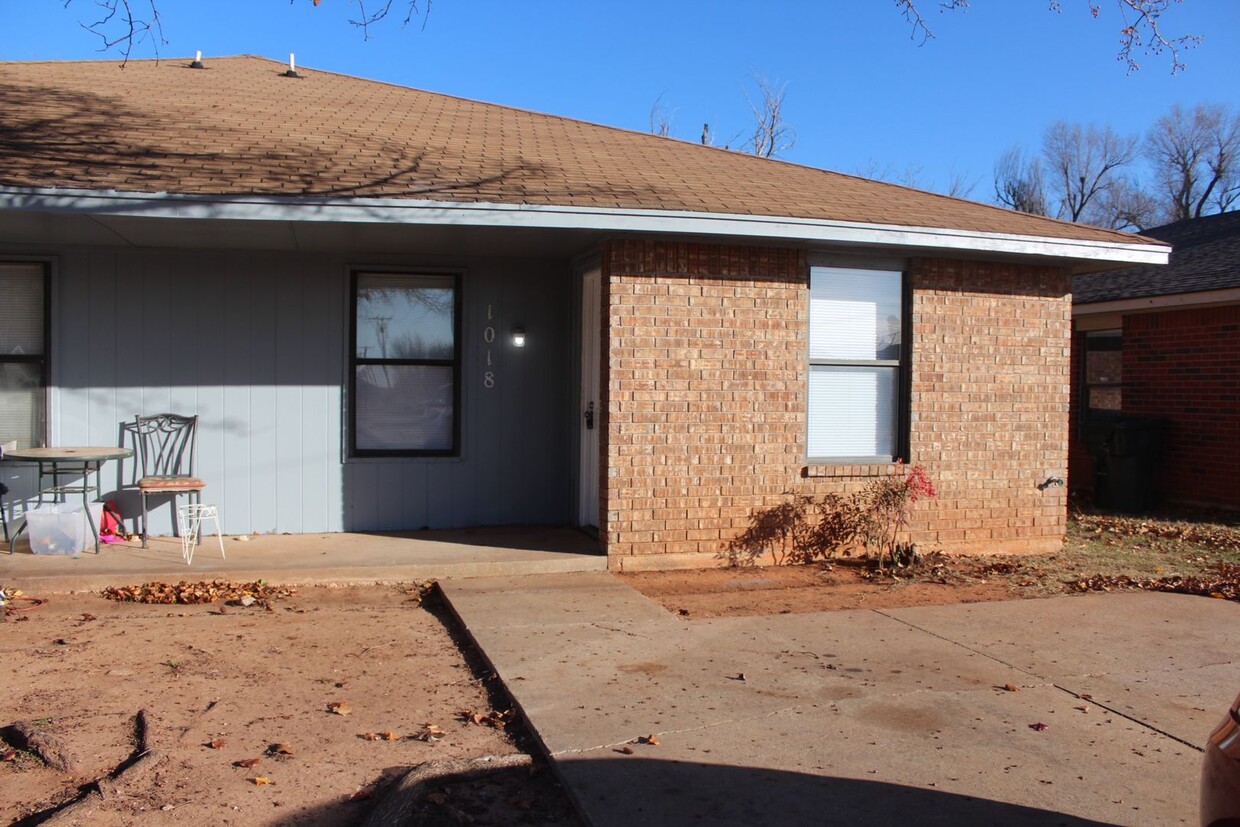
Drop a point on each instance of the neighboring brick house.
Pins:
(1164, 343)
(395, 309)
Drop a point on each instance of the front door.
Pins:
(589, 415)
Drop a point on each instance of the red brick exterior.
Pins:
(705, 394)
(1184, 366)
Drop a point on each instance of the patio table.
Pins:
(61, 466)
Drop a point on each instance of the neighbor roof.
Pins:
(1205, 255)
(239, 127)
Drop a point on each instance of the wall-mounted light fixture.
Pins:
(518, 336)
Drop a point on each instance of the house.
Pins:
(1163, 344)
(394, 309)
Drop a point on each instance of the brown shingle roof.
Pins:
(239, 127)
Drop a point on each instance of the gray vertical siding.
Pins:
(256, 345)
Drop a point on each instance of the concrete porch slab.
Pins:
(298, 559)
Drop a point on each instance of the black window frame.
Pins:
(42, 359)
(903, 366)
(1094, 422)
(355, 361)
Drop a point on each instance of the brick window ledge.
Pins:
(851, 470)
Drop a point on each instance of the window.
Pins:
(24, 315)
(856, 365)
(405, 367)
(1103, 373)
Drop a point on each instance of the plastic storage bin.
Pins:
(59, 528)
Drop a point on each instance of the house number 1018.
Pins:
(488, 336)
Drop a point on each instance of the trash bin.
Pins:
(1127, 463)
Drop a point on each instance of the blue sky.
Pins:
(860, 94)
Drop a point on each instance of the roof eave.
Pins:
(608, 219)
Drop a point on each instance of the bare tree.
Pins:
(1082, 163)
(961, 184)
(1126, 205)
(661, 118)
(1018, 182)
(1140, 31)
(771, 134)
(1196, 158)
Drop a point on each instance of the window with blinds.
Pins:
(23, 353)
(856, 364)
(404, 383)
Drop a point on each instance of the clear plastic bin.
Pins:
(60, 528)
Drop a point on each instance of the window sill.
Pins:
(850, 469)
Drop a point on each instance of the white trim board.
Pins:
(621, 220)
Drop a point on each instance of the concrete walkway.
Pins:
(863, 717)
(311, 558)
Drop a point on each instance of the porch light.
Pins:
(518, 337)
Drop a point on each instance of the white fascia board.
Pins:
(621, 220)
(1170, 301)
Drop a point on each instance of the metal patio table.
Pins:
(63, 467)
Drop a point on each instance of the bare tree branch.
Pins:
(772, 134)
(1018, 183)
(1196, 158)
(123, 28)
(661, 118)
(1141, 30)
(912, 13)
(1083, 162)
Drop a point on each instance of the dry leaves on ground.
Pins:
(187, 593)
(495, 718)
(1210, 535)
(1222, 581)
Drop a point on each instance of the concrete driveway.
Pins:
(863, 717)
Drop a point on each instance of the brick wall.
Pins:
(705, 388)
(1184, 366)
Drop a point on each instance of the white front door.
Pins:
(589, 415)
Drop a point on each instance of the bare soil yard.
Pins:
(1195, 554)
(298, 710)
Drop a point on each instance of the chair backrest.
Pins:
(166, 444)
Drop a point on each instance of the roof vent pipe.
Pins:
(197, 64)
(292, 67)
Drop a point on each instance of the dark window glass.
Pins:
(405, 365)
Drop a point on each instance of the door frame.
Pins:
(589, 402)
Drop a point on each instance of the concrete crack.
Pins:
(1044, 679)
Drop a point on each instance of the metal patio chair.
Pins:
(166, 446)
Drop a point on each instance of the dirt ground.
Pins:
(1186, 553)
(222, 685)
(847, 584)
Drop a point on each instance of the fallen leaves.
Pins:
(430, 733)
(1221, 582)
(187, 593)
(1039, 727)
(379, 736)
(1198, 533)
(218, 743)
(248, 763)
(340, 708)
(279, 749)
(495, 718)
(1011, 687)
(260, 780)
(8, 755)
